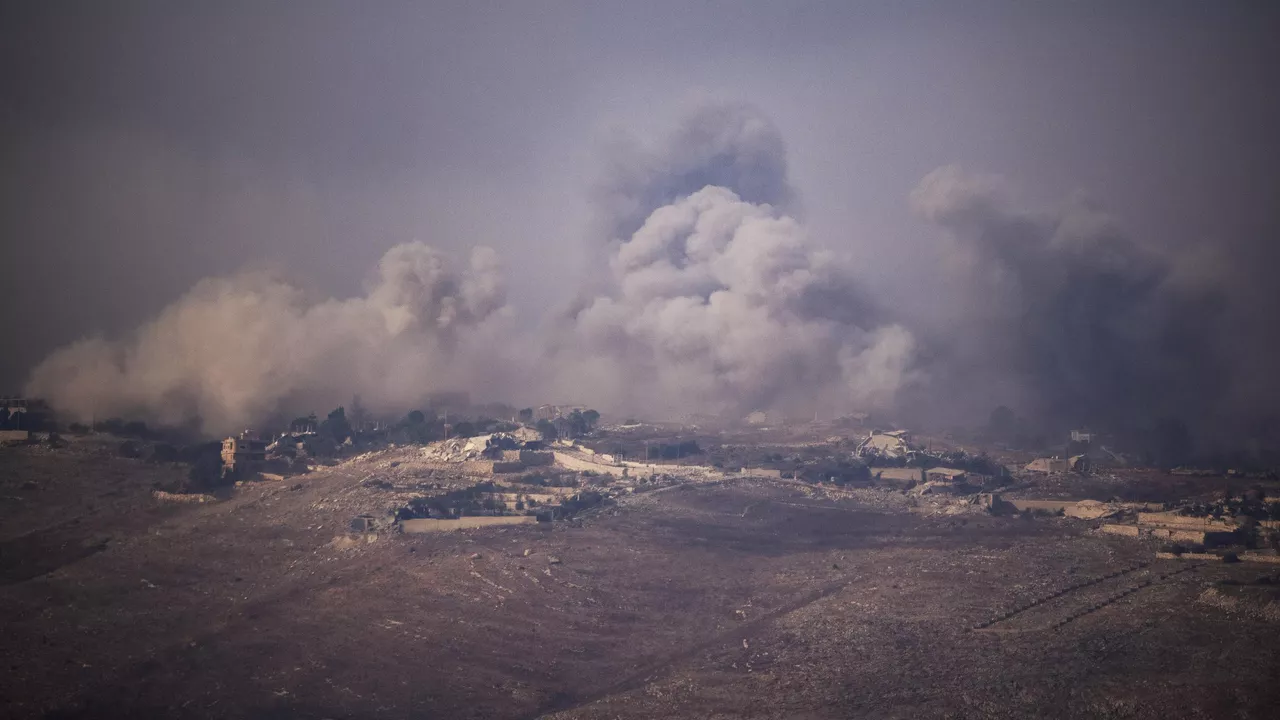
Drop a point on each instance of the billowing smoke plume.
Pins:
(235, 351)
(707, 298)
(1069, 319)
(711, 299)
(719, 305)
(725, 145)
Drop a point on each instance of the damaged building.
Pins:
(13, 411)
(243, 453)
(889, 445)
(1056, 465)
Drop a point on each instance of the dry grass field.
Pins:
(733, 600)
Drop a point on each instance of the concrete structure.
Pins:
(772, 473)
(993, 503)
(1047, 465)
(529, 458)
(1091, 510)
(533, 458)
(364, 524)
(15, 409)
(1079, 509)
(945, 475)
(511, 499)
(1261, 556)
(427, 525)
(243, 453)
(1175, 528)
(1195, 537)
(1053, 506)
(1186, 522)
(163, 496)
(1125, 530)
(759, 417)
(892, 444)
(553, 412)
(1189, 556)
(1081, 436)
(7, 436)
(898, 477)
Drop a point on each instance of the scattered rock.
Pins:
(475, 556)
(553, 560)
(527, 552)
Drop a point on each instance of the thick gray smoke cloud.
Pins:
(1071, 321)
(708, 298)
(711, 298)
(720, 305)
(235, 351)
(722, 145)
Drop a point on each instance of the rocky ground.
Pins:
(732, 600)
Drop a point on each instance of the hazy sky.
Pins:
(144, 146)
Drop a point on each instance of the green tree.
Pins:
(592, 417)
(577, 423)
(547, 429)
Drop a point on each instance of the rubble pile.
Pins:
(480, 447)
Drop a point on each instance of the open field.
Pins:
(739, 599)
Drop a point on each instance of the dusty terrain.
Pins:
(741, 599)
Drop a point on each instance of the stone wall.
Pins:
(1173, 519)
(427, 525)
(533, 458)
(761, 473)
(572, 462)
(1126, 530)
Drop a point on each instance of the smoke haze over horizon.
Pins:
(846, 209)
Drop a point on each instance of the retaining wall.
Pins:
(429, 525)
(572, 462)
(1126, 530)
(1257, 556)
(536, 457)
(1173, 519)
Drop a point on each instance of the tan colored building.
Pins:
(243, 453)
